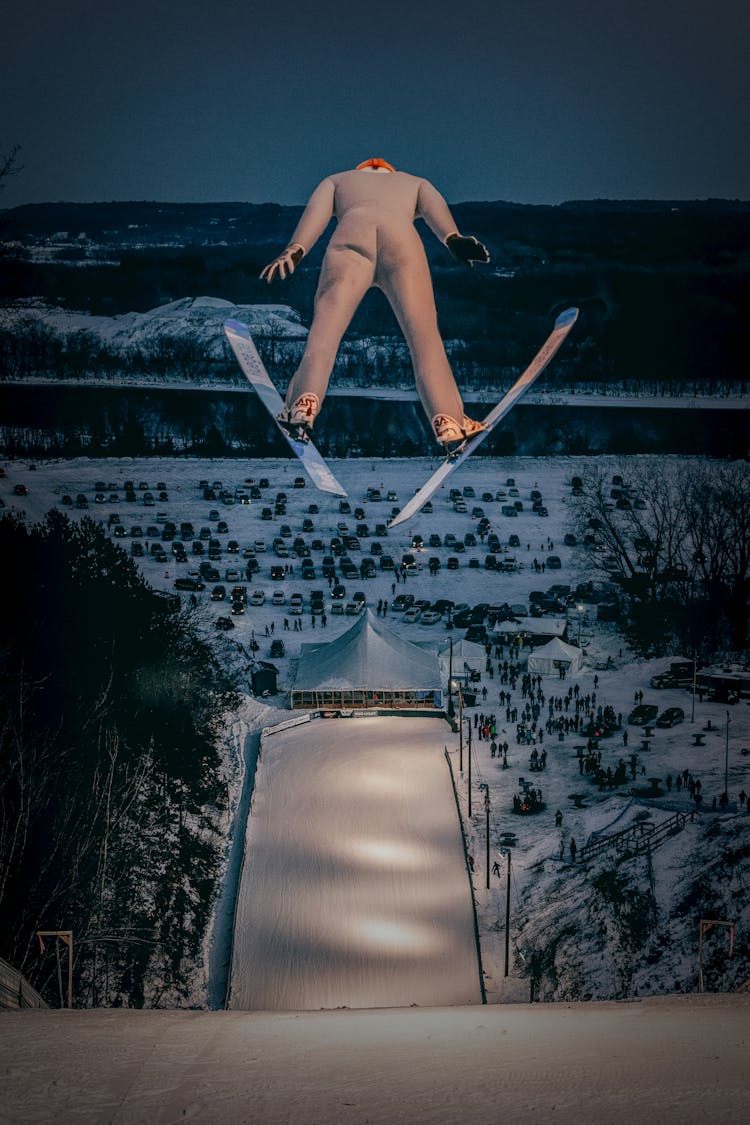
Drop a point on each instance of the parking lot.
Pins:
(264, 556)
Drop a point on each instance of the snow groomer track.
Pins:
(354, 890)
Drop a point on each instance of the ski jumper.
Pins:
(376, 244)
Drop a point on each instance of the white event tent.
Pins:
(367, 666)
(553, 656)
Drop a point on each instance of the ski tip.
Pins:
(567, 318)
(237, 327)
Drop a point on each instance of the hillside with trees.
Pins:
(111, 782)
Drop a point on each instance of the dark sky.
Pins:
(531, 101)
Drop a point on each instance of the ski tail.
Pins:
(255, 372)
(456, 457)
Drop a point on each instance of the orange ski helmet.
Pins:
(376, 162)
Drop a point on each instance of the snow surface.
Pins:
(675, 1061)
(355, 890)
(546, 892)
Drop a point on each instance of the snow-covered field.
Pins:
(548, 894)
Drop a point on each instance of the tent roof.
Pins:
(367, 657)
(464, 653)
(558, 650)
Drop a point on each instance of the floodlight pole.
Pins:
(506, 851)
(469, 755)
(460, 729)
(726, 761)
(487, 818)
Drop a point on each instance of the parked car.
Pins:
(402, 602)
(218, 594)
(644, 713)
(671, 717)
(257, 597)
(193, 584)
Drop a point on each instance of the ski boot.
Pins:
(452, 434)
(298, 418)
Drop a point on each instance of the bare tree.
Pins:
(677, 540)
(9, 165)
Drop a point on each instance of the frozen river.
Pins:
(354, 891)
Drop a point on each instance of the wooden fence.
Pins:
(15, 990)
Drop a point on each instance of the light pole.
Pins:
(487, 827)
(469, 756)
(451, 709)
(506, 852)
(726, 762)
(579, 608)
(460, 730)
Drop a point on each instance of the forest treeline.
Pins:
(112, 788)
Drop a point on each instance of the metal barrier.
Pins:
(640, 837)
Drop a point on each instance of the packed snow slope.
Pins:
(355, 890)
(675, 1061)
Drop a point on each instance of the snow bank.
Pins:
(672, 1061)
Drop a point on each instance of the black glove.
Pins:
(466, 248)
(284, 264)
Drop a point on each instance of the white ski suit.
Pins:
(376, 244)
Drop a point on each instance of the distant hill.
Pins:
(662, 285)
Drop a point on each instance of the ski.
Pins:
(456, 457)
(252, 366)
